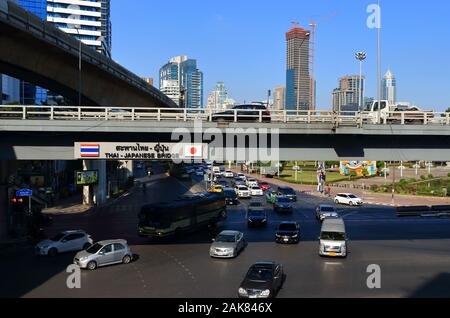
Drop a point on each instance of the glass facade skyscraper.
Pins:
(182, 81)
(389, 88)
(31, 94)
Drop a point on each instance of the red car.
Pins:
(264, 186)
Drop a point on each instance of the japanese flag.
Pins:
(193, 151)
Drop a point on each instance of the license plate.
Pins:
(286, 240)
(332, 254)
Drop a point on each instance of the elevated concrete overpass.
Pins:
(50, 134)
(38, 52)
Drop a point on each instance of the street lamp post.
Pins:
(361, 56)
(77, 27)
(379, 62)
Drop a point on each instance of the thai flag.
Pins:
(90, 150)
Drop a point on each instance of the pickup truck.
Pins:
(396, 114)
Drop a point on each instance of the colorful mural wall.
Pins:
(359, 166)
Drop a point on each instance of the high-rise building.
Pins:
(279, 97)
(182, 81)
(88, 21)
(389, 88)
(298, 81)
(349, 92)
(218, 98)
(9, 90)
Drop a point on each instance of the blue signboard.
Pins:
(24, 193)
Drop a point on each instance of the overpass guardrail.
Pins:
(93, 113)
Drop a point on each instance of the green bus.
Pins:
(186, 214)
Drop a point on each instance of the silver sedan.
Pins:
(227, 244)
(104, 253)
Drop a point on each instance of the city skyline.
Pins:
(250, 75)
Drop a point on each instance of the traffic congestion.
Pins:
(226, 190)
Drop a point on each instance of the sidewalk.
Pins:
(368, 197)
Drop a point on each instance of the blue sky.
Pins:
(242, 42)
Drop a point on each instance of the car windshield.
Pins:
(229, 194)
(287, 191)
(260, 275)
(226, 239)
(243, 188)
(288, 227)
(352, 196)
(327, 209)
(257, 213)
(94, 248)
(256, 188)
(58, 237)
(332, 236)
(283, 200)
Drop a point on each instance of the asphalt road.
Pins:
(414, 256)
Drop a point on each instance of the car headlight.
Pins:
(295, 236)
(265, 293)
(242, 291)
(277, 235)
(85, 258)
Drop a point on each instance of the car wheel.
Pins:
(336, 201)
(92, 265)
(52, 252)
(126, 259)
(86, 246)
(351, 203)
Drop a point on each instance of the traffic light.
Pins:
(17, 204)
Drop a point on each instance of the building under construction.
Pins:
(298, 80)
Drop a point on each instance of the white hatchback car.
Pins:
(68, 241)
(256, 191)
(242, 192)
(252, 183)
(348, 199)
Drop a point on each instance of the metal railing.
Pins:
(342, 119)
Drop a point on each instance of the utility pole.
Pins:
(393, 183)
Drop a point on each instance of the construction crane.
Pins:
(313, 24)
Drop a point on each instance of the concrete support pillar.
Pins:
(96, 194)
(128, 166)
(100, 190)
(87, 197)
(3, 199)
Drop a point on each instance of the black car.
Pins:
(288, 233)
(283, 204)
(256, 217)
(288, 192)
(250, 112)
(230, 197)
(263, 280)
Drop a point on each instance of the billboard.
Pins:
(359, 167)
(86, 178)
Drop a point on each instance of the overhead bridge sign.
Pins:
(139, 151)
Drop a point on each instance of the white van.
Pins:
(216, 170)
(333, 238)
